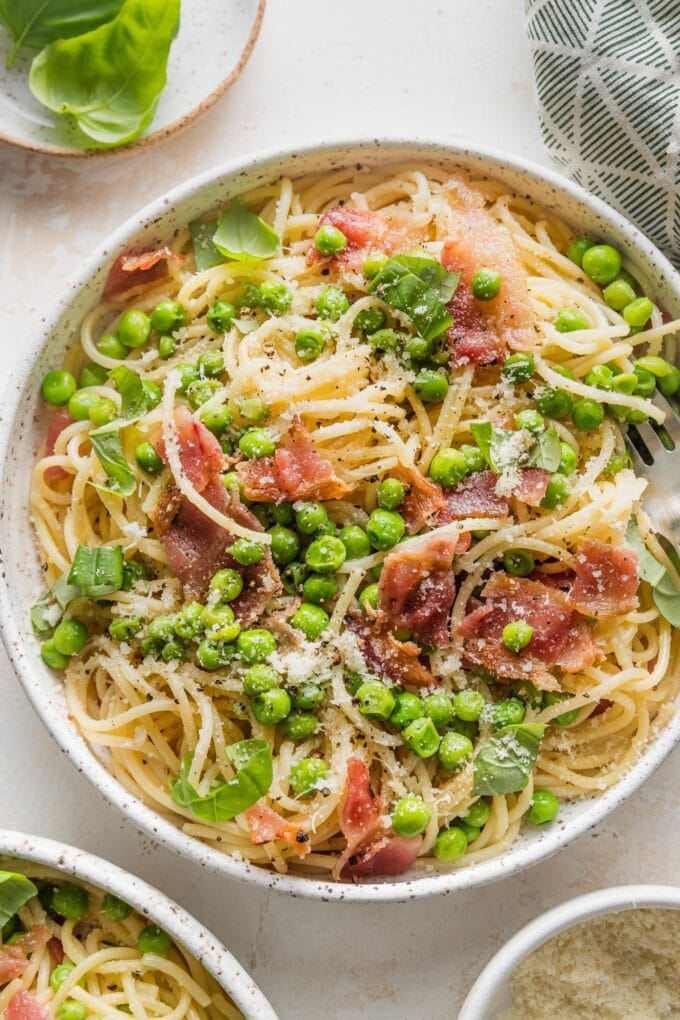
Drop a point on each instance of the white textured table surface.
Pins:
(321, 69)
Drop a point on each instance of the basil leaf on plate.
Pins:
(97, 570)
(504, 762)
(47, 613)
(664, 592)
(15, 891)
(206, 254)
(253, 762)
(108, 446)
(502, 452)
(547, 453)
(243, 236)
(34, 24)
(109, 80)
(133, 398)
(419, 287)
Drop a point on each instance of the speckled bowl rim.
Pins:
(160, 134)
(153, 904)
(331, 154)
(480, 999)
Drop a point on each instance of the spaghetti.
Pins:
(361, 382)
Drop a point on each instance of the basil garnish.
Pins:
(504, 762)
(37, 23)
(419, 287)
(664, 593)
(97, 570)
(108, 446)
(245, 237)
(206, 254)
(253, 762)
(15, 891)
(497, 446)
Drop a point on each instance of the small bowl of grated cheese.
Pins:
(611, 954)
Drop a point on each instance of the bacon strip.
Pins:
(265, 825)
(199, 451)
(399, 661)
(475, 496)
(56, 950)
(134, 269)
(605, 580)
(416, 591)
(422, 501)
(23, 1006)
(60, 419)
(388, 230)
(14, 958)
(296, 471)
(561, 637)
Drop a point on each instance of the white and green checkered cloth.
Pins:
(608, 81)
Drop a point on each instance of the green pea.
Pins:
(259, 679)
(450, 844)
(110, 346)
(600, 376)
(310, 342)
(271, 707)
(309, 696)
(407, 707)
(70, 637)
(310, 517)
(71, 1009)
(368, 599)
(448, 467)
(168, 316)
(564, 371)
(478, 814)
(670, 384)
(578, 248)
(516, 635)
(454, 750)
(617, 462)
(554, 698)
(134, 328)
(60, 974)
(153, 939)
(147, 458)
(602, 263)
(418, 348)
(102, 412)
(518, 368)
(133, 573)
(255, 645)
(92, 375)
(386, 340)
(167, 345)
(469, 705)
(557, 492)
(421, 737)
(114, 908)
(471, 831)
(282, 513)
(275, 296)
(410, 816)
(369, 320)
(587, 414)
(544, 807)
(124, 628)
(153, 394)
(355, 541)
(325, 555)
(518, 562)
(188, 374)
(373, 264)
(212, 655)
(58, 387)
(293, 576)
(625, 382)
(638, 312)
(658, 367)
(308, 776)
(328, 240)
(530, 420)
(220, 624)
(174, 651)
(70, 901)
(331, 303)
(507, 712)
(439, 708)
(391, 494)
(474, 458)
(220, 316)
(431, 385)
(385, 528)
(217, 418)
(375, 700)
(329, 528)
(201, 391)
(81, 403)
(568, 460)
(311, 620)
(618, 294)
(526, 692)
(485, 284)
(317, 589)
(285, 545)
(646, 383)
(299, 726)
(555, 403)
(569, 319)
(256, 443)
(227, 583)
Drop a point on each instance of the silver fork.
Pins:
(659, 464)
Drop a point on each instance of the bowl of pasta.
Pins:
(323, 555)
(71, 949)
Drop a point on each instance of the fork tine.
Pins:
(638, 462)
(672, 423)
(651, 440)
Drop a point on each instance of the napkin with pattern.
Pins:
(608, 82)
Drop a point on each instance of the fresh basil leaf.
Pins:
(664, 592)
(47, 613)
(667, 599)
(109, 80)
(206, 254)
(482, 432)
(494, 444)
(97, 570)
(107, 444)
(401, 288)
(34, 24)
(133, 398)
(433, 273)
(255, 772)
(547, 453)
(245, 237)
(15, 891)
(504, 762)
(649, 568)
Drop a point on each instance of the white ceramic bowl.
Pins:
(490, 993)
(22, 428)
(184, 929)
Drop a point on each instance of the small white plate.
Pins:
(212, 46)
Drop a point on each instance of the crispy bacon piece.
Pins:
(416, 590)
(475, 496)
(532, 486)
(23, 1006)
(265, 825)
(56, 950)
(296, 471)
(199, 451)
(370, 851)
(422, 501)
(14, 958)
(605, 580)
(389, 231)
(197, 547)
(561, 637)
(399, 661)
(471, 340)
(60, 419)
(134, 269)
